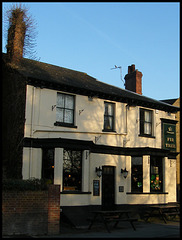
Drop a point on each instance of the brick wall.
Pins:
(53, 209)
(31, 212)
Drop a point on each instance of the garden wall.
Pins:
(31, 212)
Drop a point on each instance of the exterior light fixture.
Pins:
(98, 171)
(124, 172)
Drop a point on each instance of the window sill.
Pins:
(147, 193)
(74, 192)
(145, 135)
(108, 130)
(60, 124)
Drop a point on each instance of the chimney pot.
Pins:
(132, 67)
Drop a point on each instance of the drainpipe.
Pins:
(31, 132)
(127, 107)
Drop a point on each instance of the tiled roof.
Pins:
(169, 101)
(50, 76)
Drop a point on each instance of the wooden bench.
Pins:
(117, 220)
(112, 216)
(161, 211)
(174, 214)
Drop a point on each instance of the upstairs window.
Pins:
(109, 116)
(146, 122)
(65, 109)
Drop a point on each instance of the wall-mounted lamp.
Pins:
(124, 172)
(98, 171)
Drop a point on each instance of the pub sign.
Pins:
(169, 136)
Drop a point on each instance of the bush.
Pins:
(24, 185)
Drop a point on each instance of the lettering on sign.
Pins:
(96, 188)
(169, 136)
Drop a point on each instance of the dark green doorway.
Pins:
(108, 187)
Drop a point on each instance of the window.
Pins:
(64, 109)
(137, 174)
(146, 122)
(109, 117)
(48, 164)
(72, 170)
(156, 176)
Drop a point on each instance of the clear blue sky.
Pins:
(93, 37)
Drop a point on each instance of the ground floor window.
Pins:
(156, 174)
(137, 174)
(48, 164)
(72, 170)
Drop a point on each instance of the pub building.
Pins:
(106, 147)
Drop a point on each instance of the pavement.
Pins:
(157, 229)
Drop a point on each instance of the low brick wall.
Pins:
(31, 212)
(53, 209)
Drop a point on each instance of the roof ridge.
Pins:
(38, 72)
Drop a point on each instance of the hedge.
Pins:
(24, 185)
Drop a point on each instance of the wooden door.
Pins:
(108, 187)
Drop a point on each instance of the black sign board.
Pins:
(96, 188)
(121, 188)
(169, 136)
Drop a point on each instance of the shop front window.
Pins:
(72, 170)
(156, 176)
(137, 174)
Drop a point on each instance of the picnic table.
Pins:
(112, 216)
(163, 211)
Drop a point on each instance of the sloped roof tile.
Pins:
(59, 76)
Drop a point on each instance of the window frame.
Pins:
(63, 123)
(133, 188)
(143, 122)
(109, 116)
(80, 172)
(160, 166)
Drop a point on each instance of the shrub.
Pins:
(24, 185)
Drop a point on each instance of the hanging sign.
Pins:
(169, 136)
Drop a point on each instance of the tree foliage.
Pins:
(30, 28)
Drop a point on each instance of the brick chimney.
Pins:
(133, 80)
(16, 36)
